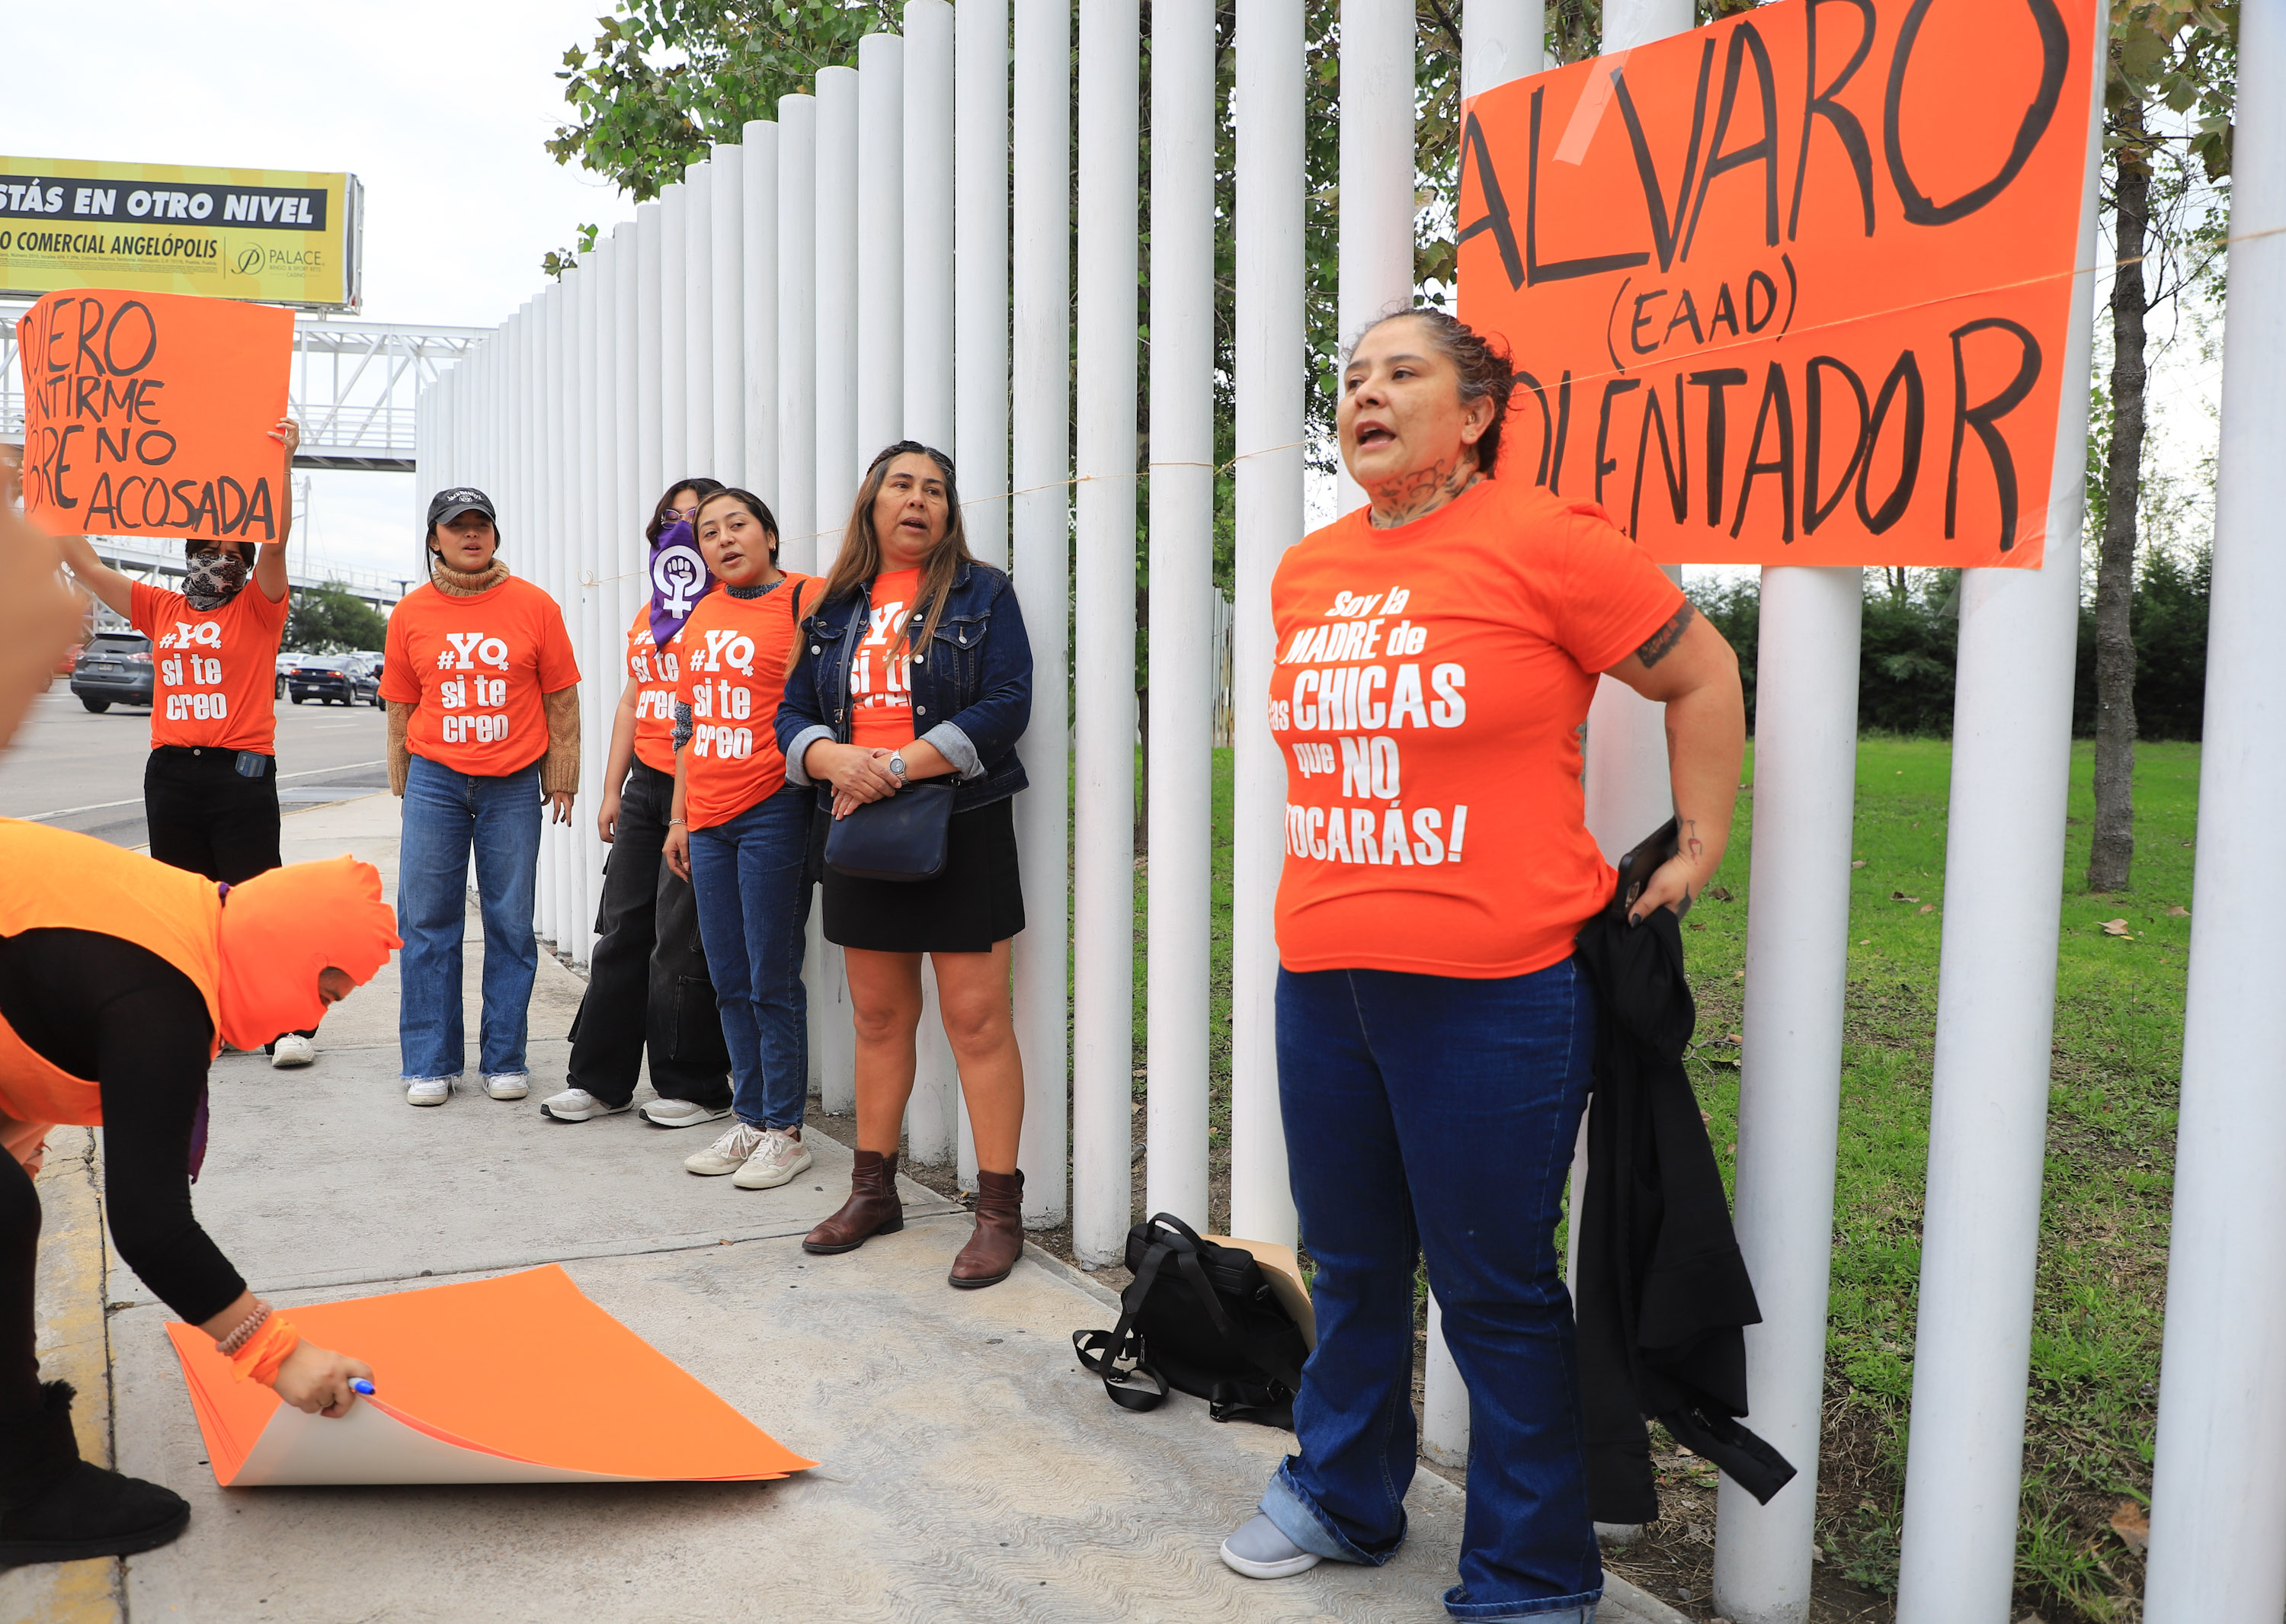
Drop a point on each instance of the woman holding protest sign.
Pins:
(915, 666)
(647, 979)
(739, 832)
(121, 979)
(484, 725)
(1435, 1033)
(210, 786)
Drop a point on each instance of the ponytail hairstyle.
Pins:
(747, 499)
(860, 558)
(700, 488)
(1481, 366)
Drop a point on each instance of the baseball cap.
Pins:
(446, 505)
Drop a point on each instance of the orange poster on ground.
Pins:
(149, 414)
(456, 1400)
(1795, 288)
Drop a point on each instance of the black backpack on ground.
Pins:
(1202, 1319)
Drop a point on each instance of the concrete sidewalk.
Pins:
(970, 1468)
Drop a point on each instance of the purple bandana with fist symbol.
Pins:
(679, 579)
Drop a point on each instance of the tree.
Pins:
(2179, 54)
(327, 620)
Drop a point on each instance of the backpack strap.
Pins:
(1104, 1353)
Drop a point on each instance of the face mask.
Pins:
(212, 580)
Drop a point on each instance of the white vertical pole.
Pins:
(927, 181)
(1995, 1020)
(1041, 383)
(835, 373)
(834, 395)
(1629, 23)
(797, 339)
(545, 403)
(2219, 1496)
(1790, 1093)
(1103, 761)
(925, 390)
(726, 347)
(563, 427)
(880, 246)
(979, 221)
(675, 335)
(1179, 789)
(1377, 176)
(698, 320)
(1500, 40)
(624, 556)
(594, 665)
(758, 319)
(651, 368)
(1272, 174)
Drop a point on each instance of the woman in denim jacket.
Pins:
(915, 665)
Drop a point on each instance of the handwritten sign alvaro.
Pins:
(1793, 289)
(148, 414)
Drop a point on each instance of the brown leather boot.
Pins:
(872, 1209)
(999, 1238)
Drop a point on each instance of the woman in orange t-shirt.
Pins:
(739, 833)
(484, 724)
(1436, 654)
(647, 981)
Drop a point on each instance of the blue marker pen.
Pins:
(361, 1387)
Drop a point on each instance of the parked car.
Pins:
(332, 679)
(114, 668)
(286, 662)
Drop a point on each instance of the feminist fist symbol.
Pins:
(676, 574)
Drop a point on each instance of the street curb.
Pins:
(70, 1325)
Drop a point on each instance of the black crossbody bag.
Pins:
(903, 838)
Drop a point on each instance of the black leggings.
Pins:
(100, 1007)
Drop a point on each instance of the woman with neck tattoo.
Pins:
(210, 785)
(738, 832)
(484, 728)
(1437, 651)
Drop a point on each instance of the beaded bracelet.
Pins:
(238, 1337)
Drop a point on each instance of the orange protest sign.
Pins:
(1795, 288)
(149, 414)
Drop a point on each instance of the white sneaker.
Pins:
(730, 1153)
(778, 1158)
(678, 1113)
(1260, 1549)
(508, 1084)
(291, 1050)
(578, 1105)
(428, 1091)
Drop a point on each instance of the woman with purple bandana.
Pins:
(647, 984)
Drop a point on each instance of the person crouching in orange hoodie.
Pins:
(121, 979)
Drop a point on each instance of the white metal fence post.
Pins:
(726, 345)
(1996, 1019)
(1040, 379)
(758, 318)
(881, 246)
(699, 214)
(1103, 747)
(1179, 790)
(1790, 1093)
(2219, 1496)
(623, 554)
(674, 333)
(1376, 233)
(980, 224)
(597, 666)
(1271, 178)
(650, 377)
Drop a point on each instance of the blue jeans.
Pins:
(447, 814)
(1427, 1114)
(753, 901)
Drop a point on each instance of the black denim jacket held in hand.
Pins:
(972, 686)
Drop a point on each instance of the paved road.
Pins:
(78, 770)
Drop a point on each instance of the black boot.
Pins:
(55, 1507)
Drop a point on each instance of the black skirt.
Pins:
(977, 900)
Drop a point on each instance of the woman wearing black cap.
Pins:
(484, 724)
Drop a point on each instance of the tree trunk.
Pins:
(2114, 848)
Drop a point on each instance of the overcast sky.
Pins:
(440, 107)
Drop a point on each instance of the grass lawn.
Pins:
(2118, 1047)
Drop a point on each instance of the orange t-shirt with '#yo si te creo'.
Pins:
(1431, 684)
(880, 687)
(654, 671)
(474, 669)
(735, 654)
(214, 671)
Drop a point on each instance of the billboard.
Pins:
(1796, 287)
(281, 236)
